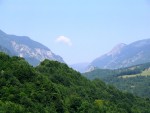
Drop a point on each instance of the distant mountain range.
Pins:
(23, 46)
(124, 55)
(34, 52)
(81, 67)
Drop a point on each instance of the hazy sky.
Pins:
(77, 30)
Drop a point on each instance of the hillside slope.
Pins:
(23, 46)
(134, 79)
(124, 55)
(53, 87)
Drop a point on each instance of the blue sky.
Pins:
(77, 30)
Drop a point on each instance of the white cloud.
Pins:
(65, 40)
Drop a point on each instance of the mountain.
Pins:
(81, 67)
(134, 79)
(23, 46)
(5, 50)
(53, 87)
(124, 55)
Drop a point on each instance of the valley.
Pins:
(134, 79)
(143, 73)
(74, 56)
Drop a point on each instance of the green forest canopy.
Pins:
(53, 87)
(134, 79)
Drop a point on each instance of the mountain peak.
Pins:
(23, 46)
(124, 55)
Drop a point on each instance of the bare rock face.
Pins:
(124, 55)
(23, 46)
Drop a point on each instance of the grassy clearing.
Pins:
(144, 73)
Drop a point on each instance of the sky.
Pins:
(77, 30)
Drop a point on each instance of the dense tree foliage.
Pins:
(53, 87)
(103, 73)
(138, 85)
(134, 83)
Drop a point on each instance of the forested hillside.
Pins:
(134, 79)
(53, 87)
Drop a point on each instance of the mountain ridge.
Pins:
(53, 87)
(124, 56)
(23, 46)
